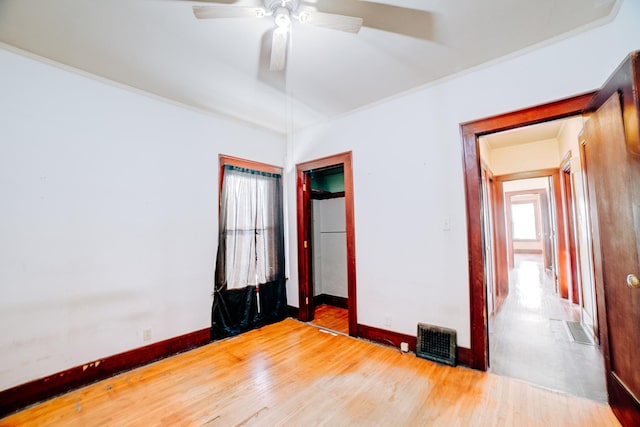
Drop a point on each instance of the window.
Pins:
(524, 221)
(250, 208)
(250, 287)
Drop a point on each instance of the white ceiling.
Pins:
(527, 134)
(215, 65)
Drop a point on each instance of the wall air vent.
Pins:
(436, 344)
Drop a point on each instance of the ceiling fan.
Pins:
(283, 12)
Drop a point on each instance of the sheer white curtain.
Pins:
(250, 212)
(250, 287)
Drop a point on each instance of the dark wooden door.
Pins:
(612, 150)
(305, 248)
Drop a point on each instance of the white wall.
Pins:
(526, 184)
(108, 216)
(485, 153)
(330, 247)
(568, 140)
(525, 157)
(408, 267)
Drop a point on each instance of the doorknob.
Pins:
(633, 281)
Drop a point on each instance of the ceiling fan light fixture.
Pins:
(282, 11)
(283, 18)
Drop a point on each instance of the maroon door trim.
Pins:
(470, 132)
(304, 235)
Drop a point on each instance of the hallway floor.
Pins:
(528, 338)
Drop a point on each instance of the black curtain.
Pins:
(249, 279)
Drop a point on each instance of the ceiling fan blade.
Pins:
(215, 1)
(221, 1)
(214, 12)
(279, 50)
(350, 24)
(409, 22)
(274, 78)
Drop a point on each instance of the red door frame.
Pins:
(470, 133)
(304, 235)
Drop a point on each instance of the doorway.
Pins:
(609, 150)
(471, 132)
(329, 249)
(531, 270)
(326, 243)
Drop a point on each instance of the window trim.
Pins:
(243, 163)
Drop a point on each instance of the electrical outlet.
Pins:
(446, 223)
(146, 335)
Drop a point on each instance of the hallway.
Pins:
(528, 338)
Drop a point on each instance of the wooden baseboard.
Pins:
(293, 311)
(464, 356)
(623, 404)
(332, 300)
(23, 395)
(383, 336)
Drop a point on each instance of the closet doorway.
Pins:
(326, 249)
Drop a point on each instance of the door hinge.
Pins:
(304, 187)
(305, 244)
(306, 300)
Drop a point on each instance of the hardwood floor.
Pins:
(291, 374)
(528, 338)
(330, 317)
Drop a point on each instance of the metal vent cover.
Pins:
(436, 344)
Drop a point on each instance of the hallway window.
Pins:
(524, 221)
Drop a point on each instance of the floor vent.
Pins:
(577, 333)
(436, 344)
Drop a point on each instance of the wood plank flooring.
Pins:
(292, 374)
(330, 317)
